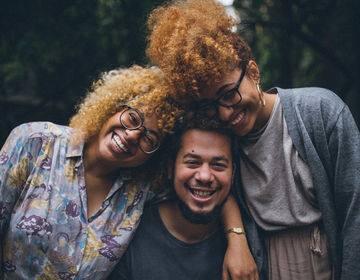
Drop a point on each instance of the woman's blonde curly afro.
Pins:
(193, 44)
(134, 86)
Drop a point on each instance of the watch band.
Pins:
(237, 230)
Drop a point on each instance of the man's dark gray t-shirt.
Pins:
(155, 253)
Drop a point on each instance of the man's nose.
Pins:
(225, 113)
(204, 174)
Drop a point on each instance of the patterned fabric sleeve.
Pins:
(17, 158)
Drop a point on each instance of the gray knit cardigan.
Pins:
(328, 140)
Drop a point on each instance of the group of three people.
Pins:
(72, 198)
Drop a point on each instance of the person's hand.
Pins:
(238, 262)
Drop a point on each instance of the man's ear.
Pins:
(233, 173)
(170, 168)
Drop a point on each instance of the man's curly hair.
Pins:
(189, 120)
(117, 89)
(193, 44)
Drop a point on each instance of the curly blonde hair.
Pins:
(117, 89)
(134, 86)
(193, 44)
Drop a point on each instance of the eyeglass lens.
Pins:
(131, 119)
(228, 99)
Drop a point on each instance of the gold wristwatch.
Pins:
(237, 230)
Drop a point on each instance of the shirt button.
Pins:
(106, 203)
(84, 230)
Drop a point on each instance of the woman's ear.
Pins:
(253, 71)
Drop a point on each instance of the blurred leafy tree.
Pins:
(299, 43)
(51, 51)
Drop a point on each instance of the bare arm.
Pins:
(238, 262)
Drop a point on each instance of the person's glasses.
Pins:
(228, 99)
(132, 119)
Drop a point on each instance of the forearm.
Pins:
(238, 262)
(230, 214)
(231, 218)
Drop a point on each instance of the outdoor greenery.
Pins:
(305, 43)
(51, 51)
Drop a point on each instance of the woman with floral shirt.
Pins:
(71, 197)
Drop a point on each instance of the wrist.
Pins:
(236, 230)
(230, 235)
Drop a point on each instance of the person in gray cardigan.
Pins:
(325, 135)
(299, 178)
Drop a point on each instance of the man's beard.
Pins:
(199, 218)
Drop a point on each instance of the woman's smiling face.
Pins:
(244, 116)
(119, 147)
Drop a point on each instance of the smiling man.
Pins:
(182, 238)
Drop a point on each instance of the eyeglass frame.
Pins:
(217, 101)
(138, 127)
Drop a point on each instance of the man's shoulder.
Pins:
(149, 227)
(150, 212)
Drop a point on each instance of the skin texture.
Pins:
(203, 170)
(238, 262)
(115, 90)
(249, 115)
(103, 148)
(204, 163)
(194, 46)
(102, 160)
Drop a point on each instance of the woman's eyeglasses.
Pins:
(228, 99)
(133, 119)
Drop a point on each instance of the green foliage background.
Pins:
(51, 51)
(299, 43)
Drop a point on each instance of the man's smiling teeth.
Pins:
(238, 119)
(119, 145)
(201, 193)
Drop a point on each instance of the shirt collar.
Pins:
(74, 151)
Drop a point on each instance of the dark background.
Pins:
(52, 51)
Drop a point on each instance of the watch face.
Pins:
(236, 230)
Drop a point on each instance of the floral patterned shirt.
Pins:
(44, 229)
